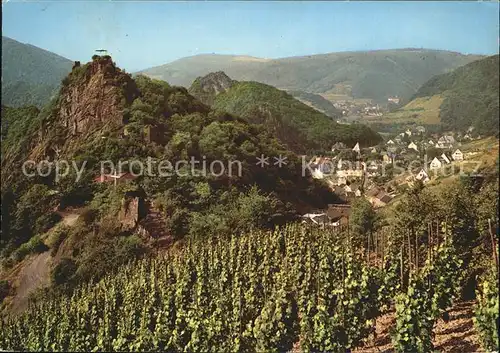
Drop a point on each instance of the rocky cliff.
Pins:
(206, 88)
(91, 102)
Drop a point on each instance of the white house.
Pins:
(356, 148)
(423, 176)
(458, 155)
(390, 142)
(445, 158)
(408, 132)
(431, 142)
(374, 150)
(413, 146)
(435, 164)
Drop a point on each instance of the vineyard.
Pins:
(296, 288)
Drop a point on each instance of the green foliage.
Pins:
(4, 289)
(300, 127)
(259, 291)
(34, 246)
(362, 220)
(414, 323)
(486, 318)
(64, 271)
(471, 96)
(318, 102)
(30, 75)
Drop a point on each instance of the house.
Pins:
(413, 146)
(435, 164)
(378, 197)
(353, 188)
(390, 142)
(374, 150)
(398, 140)
(423, 176)
(356, 148)
(354, 173)
(386, 158)
(315, 218)
(445, 158)
(372, 166)
(467, 137)
(392, 149)
(408, 132)
(420, 129)
(458, 155)
(446, 141)
(394, 100)
(338, 146)
(338, 214)
(431, 143)
(341, 181)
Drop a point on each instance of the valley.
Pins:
(276, 201)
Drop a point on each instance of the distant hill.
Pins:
(30, 75)
(470, 96)
(465, 97)
(369, 74)
(294, 123)
(317, 102)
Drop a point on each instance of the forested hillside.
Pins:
(375, 74)
(30, 75)
(317, 102)
(470, 96)
(119, 126)
(297, 125)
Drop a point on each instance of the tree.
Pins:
(362, 220)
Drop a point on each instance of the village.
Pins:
(381, 173)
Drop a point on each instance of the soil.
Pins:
(455, 336)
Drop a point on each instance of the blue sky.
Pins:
(142, 34)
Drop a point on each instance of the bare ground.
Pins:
(34, 273)
(455, 336)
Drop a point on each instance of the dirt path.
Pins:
(455, 336)
(69, 217)
(34, 274)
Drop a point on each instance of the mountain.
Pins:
(30, 75)
(365, 74)
(470, 96)
(294, 123)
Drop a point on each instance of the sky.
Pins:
(142, 34)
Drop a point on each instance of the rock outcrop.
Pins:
(91, 101)
(206, 88)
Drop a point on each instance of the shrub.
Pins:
(64, 271)
(4, 289)
(486, 314)
(33, 246)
